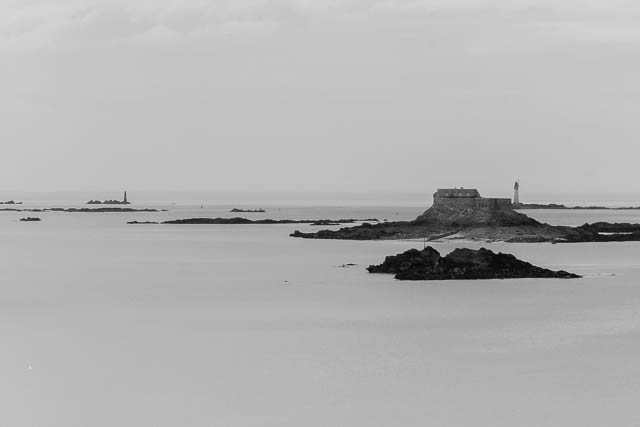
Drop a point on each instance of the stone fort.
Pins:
(467, 198)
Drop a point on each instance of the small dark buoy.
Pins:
(350, 264)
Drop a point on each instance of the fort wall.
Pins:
(492, 203)
(455, 202)
(473, 203)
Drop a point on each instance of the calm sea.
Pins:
(109, 324)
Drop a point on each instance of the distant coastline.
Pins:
(108, 202)
(103, 209)
(238, 220)
(236, 210)
(124, 201)
(561, 206)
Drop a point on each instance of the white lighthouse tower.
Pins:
(516, 194)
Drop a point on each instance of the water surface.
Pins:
(108, 324)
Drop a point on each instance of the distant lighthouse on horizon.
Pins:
(516, 194)
(125, 201)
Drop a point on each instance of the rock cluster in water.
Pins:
(236, 210)
(86, 210)
(461, 264)
(108, 202)
(604, 232)
(239, 220)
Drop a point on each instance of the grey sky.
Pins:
(319, 94)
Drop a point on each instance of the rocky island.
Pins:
(462, 264)
(463, 214)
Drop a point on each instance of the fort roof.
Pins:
(456, 192)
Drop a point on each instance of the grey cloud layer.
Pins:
(307, 94)
(55, 22)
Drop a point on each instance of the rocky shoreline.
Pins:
(462, 264)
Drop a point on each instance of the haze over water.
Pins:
(350, 109)
(109, 324)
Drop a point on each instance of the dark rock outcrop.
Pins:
(603, 232)
(462, 264)
(368, 231)
(327, 222)
(209, 221)
(30, 219)
(608, 227)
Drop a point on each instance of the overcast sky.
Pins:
(320, 95)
